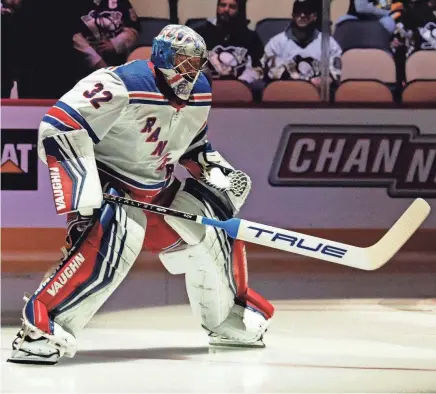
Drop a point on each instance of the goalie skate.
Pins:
(26, 350)
(33, 346)
(220, 341)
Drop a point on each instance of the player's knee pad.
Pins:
(92, 269)
(214, 264)
(194, 198)
(205, 256)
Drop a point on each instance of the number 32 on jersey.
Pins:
(98, 95)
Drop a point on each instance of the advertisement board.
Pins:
(311, 168)
(19, 161)
(396, 158)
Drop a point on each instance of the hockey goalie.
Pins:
(122, 130)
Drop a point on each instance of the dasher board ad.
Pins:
(310, 168)
(19, 165)
(396, 158)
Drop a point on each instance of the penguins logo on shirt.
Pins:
(304, 68)
(105, 24)
(229, 61)
(428, 33)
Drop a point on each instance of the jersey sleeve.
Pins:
(199, 144)
(273, 60)
(201, 96)
(271, 48)
(335, 60)
(366, 7)
(94, 105)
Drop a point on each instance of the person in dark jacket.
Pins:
(107, 30)
(10, 51)
(235, 51)
(415, 31)
(418, 23)
(39, 45)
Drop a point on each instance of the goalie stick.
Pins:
(369, 258)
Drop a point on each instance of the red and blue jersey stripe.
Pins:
(201, 94)
(147, 98)
(200, 100)
(139, 78)
(65, 118)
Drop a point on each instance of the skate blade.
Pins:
(34, 362)
(236, 345)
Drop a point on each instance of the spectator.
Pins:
(10, 17)
(416, 27)
(416, 30)
(40, 48)
(370, 10)
(107, 31)
(234, 50)
(424, 18)
(296, 52)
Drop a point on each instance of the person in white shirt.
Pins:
(296, 52)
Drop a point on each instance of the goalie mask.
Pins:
(180, 54)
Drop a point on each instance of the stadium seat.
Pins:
(194, 9)
(353, 34)
(268, 28)
(291, 91)
(194, 22)
(261, 9)
(421, 65)
(363, 92)
(140, 53)
(150, 28)
(368, 64)
(235, 91)
(151, 8)
(338, 8)
(423, 91)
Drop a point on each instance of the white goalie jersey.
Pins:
(138, 135)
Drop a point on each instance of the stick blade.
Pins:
(409, 222)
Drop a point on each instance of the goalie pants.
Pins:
(103, 249)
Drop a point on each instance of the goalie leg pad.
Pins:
(246, 295)
(196, 198)
(93, 268)
(190, 198)
(251, 314)
(215, 269)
